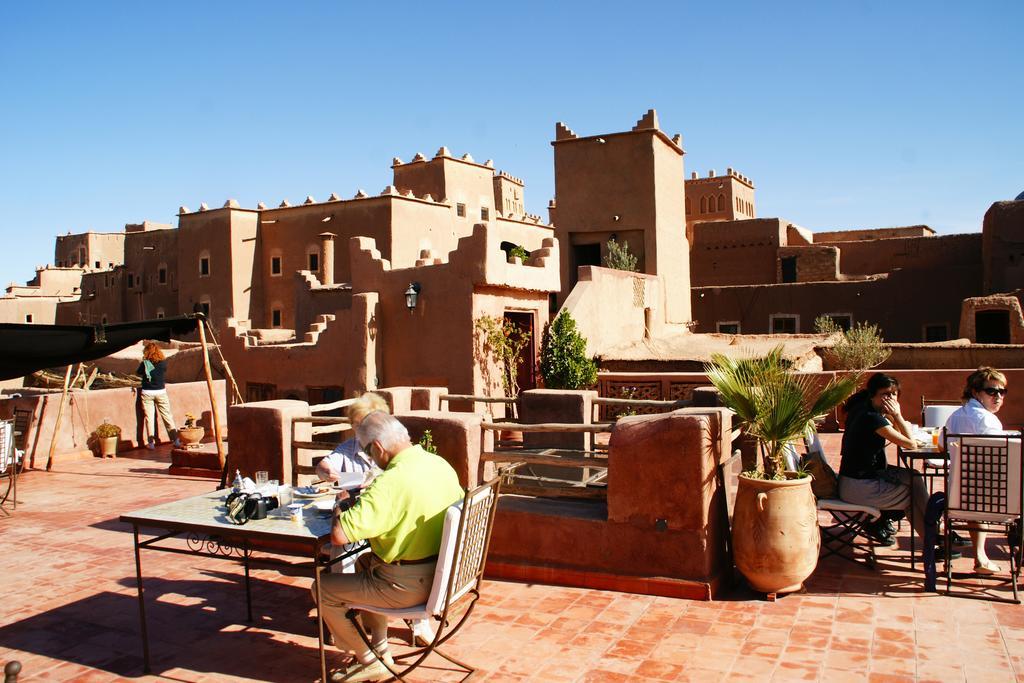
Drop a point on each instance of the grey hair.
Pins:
(384, 429)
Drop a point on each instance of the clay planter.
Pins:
(190, 436)
(775, 533)
(108, 446)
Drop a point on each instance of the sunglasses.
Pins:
(992, 391)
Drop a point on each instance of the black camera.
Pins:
(241, 507)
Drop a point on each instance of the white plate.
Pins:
(350, 480)
(324, 505)
(299, 494)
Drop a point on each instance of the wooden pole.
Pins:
(60, 414)
(213, 397)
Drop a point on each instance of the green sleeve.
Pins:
(373, 515)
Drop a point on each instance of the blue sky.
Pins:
(845, 114)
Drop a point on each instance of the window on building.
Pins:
(688, 210)
(485, 213)
(204, 306)
(721, 202)
(131, 280)
(106, 281)
(787, 264)
(275, 265)
(258, 391)
(781, 323)
(936, 332)
(204, 266)
(843, 321)
(161, 275)
(703, 204)
(314, 262)
(730, 327)
(28, 317)
(81, 256)
(97, 265)
(103, 320)
(160, 313)
(60, 264)
(320, 395)
(460, 210)
(275, 317)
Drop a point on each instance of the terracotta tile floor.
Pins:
(68, 611)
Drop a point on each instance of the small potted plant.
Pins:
(107, 435)
(190, 433)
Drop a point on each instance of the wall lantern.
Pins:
(412, 295)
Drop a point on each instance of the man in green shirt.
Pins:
(401, 514)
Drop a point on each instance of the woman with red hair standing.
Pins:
(152, 370)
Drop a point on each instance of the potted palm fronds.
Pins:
(775, 530)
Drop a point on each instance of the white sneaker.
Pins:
(150, 445)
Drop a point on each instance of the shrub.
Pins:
(860, 348)
(427, 442)
(619, 257)
(519, 251)
(107, 430)
(563, 357)
(502, 341)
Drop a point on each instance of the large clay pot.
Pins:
(775, 533)
(190, 436)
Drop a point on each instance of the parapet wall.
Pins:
(910, 253)
(615, 306)
(87, 409)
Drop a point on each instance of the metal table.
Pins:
(208, 533)
(912, 458)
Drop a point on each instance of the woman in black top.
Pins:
(873, 421)
(152, 369)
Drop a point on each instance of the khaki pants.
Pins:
(163, 405)
(374, 583)
(897, 488)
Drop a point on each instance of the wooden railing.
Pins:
(320, 425)
(590, 464)
(633, 403)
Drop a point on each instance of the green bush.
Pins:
(619, 257)
(860, 348)
(107, 430)
(427, 442)
(563, 357)
(519, 251)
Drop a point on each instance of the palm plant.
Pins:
(775, 406)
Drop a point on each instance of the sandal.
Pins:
(986, 569)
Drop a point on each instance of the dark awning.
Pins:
(27, 348)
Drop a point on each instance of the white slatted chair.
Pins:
(460, 568)
(985, 486)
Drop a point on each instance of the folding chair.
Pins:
(846, 536)
(10, 462)
(935, 412)
(460, 569)
(984, 487)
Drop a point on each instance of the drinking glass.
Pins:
(261, 479)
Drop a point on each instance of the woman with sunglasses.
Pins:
(983, 397)
(873, 421)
